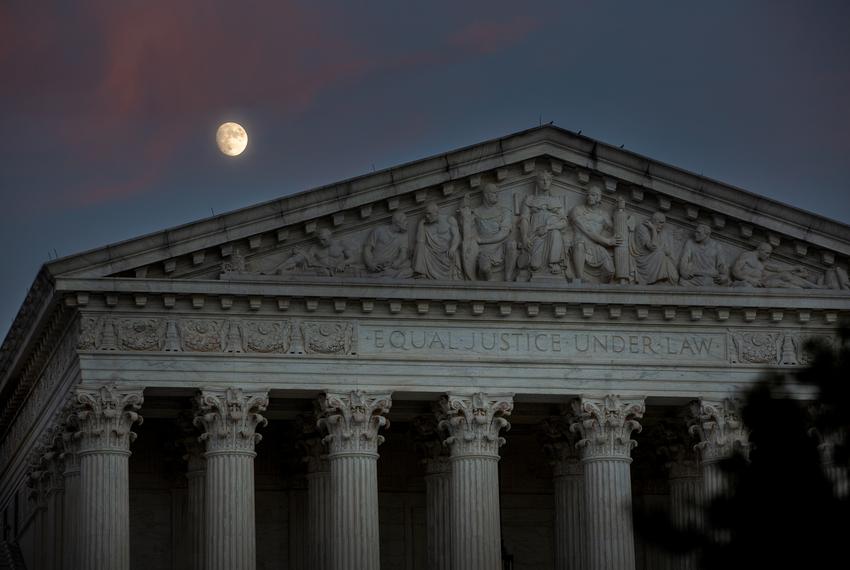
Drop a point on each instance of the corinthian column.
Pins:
(196, 482)
(606, 425)
(683, 468)
(721, 432)
(69, 456)
(229, 418)
(473, 424)
(319, 496)
(438, 532)
(352, 422)
(568, 481)
(105, 416)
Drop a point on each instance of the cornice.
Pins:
(434, 297)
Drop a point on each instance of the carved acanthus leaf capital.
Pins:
(104, 417)
(560, 442)
(720, 429)
(675, 446)
(311, 443)
(473, 423)
(230, 417)
(352, 421)
(606, 425)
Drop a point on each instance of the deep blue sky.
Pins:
(109, 109)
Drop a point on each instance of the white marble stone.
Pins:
(352, 421)
(230, 418)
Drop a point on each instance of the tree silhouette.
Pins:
(787, 503)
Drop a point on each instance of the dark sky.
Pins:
(109, 109)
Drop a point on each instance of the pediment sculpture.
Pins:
(541, 233)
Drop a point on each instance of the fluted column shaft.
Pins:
(606, 424)
(71, 503)
(473, 423)
(105, 416)
(352, 422)
(195, 507)
(230, 418)
(438, 526)
(319, 497)
(685, 498)
(569, 516)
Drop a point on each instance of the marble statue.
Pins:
(327, 258)
(701, 261)
(590, 253)
(487, 247)
(437, 245)
(754, 269)
(836, 278)
(653, 256)
(541, 220)
(386, 252)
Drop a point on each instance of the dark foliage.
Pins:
(782, 509)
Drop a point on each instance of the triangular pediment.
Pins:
(376, 227)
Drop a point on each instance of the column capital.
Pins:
(311, 442)
(429, 443)
(605, 424)
(474, 421)
(104, 416)
(675, 446)
(560, 442)
(719, 427)
(352, 421)
(230, 417)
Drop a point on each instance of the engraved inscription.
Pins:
(533, 343)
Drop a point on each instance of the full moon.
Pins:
(231, 138)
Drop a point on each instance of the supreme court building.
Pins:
(479, 360)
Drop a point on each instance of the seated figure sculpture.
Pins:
(327, 258)
(753, 269)
(386, 252)
(541, 220)
(590, 253)
(437, 244)
(701, 261)
(487, 247)
(654, 261)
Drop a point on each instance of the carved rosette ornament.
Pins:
(606, 424)
(230, 418)
(104, 417)
(352, 421)
(720, 429)
(474, 422)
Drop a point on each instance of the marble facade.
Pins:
(445, 365)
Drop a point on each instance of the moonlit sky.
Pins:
(109, 109)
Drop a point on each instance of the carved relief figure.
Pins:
(589, 251)
(541, 220)
(386, 252)
(487, 246)
(437, 245)
(701, 263)
(836, 278)
(654, 262)
(753, 269)
(327, 258)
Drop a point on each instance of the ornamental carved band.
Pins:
(104, 417)
(474, 422)
(230, 418)
(352, 421)
(606, 425)
(720, 429)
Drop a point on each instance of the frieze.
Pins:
(773, 348)
(327, 337)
